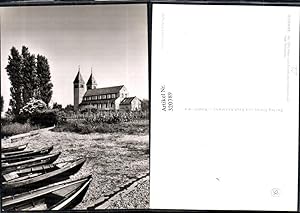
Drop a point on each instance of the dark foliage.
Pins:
(69, 108)
(16, 79)
(44, 91)
(44, 118)
(145, 105)
(29, 77)
(57, 106)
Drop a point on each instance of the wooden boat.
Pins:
(16, 156)
(16, 152)
(25, 179)
(59, 196)
(13, 148)
(14, 160)
(38, 160)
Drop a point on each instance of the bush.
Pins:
(33, 106)
(84, 127)
(36, 112)
(6, 120)
(31, 109)
(61, 117)
(45, 118)
(75, 126)
(14, 129)
(88, 109)
(69, 108)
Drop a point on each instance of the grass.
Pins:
(15, 128)
(84, 127)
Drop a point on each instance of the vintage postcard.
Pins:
(74, 107)
(224, 107)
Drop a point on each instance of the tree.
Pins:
(57, 106)
(69, 107)
(16, 79)
(44, 91)
(29, 77)
(28, 69)
(145, 105)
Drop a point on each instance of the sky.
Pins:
(109, 39)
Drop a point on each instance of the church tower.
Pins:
(79, 90)
(91, 84)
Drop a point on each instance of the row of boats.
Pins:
(32, 181)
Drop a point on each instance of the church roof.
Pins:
(103, 91)
(78, 78)
(91, 80)
(127, 100)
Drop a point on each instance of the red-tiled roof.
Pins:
(103, 91)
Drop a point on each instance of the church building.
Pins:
(106, 98)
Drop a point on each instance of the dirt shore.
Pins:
(112, 159)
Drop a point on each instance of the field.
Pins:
(112, 159)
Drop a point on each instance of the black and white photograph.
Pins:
(74, 107)
(90, 88)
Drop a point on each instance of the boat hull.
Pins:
(39, 160)
(15, 186)
(24, 155)
(59, 196)
(13, 148)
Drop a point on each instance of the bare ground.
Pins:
(112, 159)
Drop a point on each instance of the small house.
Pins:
(131, 104)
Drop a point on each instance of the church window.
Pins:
(108, 96)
